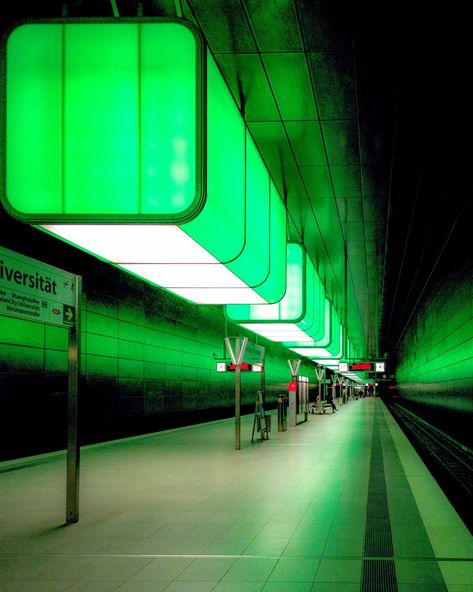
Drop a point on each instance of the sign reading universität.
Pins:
(30, 289)
(33, 290)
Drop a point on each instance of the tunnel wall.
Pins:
(435, 372)
(148, 362)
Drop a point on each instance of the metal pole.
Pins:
(306, 401)
(345, 281)
(263, 383)
(237, 395)
(73, 449)
(237, 408)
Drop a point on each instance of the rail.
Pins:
(453, 456)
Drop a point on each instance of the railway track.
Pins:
(451, 455)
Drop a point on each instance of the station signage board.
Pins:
(359, 366)
(32, 290)
(244, 367)
(36, 291)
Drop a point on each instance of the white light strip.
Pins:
(312, 352)
(219, 295)
(278, 332)
(186, 275)
(163, 255)
(134, 243)
(320, 352)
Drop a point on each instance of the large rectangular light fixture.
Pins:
(123, 139)
(334, 351)
(299, 315)
(329, 321)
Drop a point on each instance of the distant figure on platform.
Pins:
(331, 402)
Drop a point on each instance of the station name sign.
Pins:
(244, 366)
(30, 289)
(362, 367)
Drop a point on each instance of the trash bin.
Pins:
(282, 413)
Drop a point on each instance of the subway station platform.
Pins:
(340, 503)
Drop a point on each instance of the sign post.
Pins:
(35, 291)
(254, 356)
(294, 366)
(320, 373)
(73, 449)
(237, 359)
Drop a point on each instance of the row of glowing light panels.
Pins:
(123, 139)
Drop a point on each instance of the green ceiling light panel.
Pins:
(276, 280)
(103, 118)
(314, 353)
(225, 207)
(256, 274)
(137, 153)
(329, 321)
(298, 316)
(290, 308)
(329, 318)
(334, 350)
(313, 323)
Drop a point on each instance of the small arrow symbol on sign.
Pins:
(69, 314)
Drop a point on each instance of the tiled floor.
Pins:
(181, 511)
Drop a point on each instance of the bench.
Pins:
(325, 406)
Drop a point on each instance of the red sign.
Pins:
(243, 366)
(292, 388)
(361, 366)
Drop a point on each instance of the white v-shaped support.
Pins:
(294, 366)
(240, 347)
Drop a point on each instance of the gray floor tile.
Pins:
(249, 569)
(294, 569)
(287, 587)
(206, 569)
(163, 568)
(335, 587)
(181, 510)
(143, 586)
(418, 572)
(339, 570)
(238, 587)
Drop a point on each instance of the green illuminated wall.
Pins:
(25, 345)
(436, 355)
(147, 364)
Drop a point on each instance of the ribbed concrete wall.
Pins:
(436, 357)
